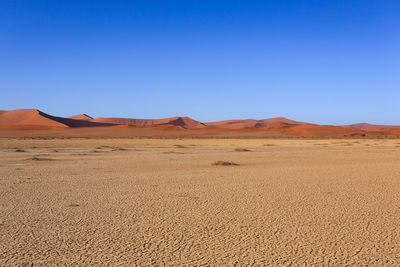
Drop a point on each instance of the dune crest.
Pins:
(251, 123)
(184, 122)
(83, 117)
(35, 117)
(35, 120)
(32, 117)
(372, 127)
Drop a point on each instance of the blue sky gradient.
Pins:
(327, 62)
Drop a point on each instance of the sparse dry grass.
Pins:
(225, 163)
(36, 158)
(172, 152)
(119, 149)
(242, 150)
(180, 146)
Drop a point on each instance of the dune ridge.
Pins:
(251, 123)
(83, 117)
(30, 120)
(184, 122)
(35, 117)
(372, 127)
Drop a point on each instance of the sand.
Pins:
(34, 119)
(184, 122)
(83, 117)
(149, 202)
(35, 123)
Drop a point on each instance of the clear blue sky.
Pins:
(328, 62)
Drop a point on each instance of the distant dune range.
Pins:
(34, 123)
(184, 122)
(372, 127)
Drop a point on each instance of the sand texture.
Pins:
(149, 202)
(35, 123)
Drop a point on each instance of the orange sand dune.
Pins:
(184, 122)
(32, 122)
(31, 117)
(34, 117)
(233, 124)
(279, 122)
(283, 120)
(286, 127)
(171, 131)
(322, 130)
(82, 117)
(372, 127)
(23, 128)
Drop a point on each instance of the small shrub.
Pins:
(39, 159)
(225, 163)
(242, 150)
(119, 149)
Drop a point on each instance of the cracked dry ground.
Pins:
(163, 202)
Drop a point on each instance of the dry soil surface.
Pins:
(87, 202)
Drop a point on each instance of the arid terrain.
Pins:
(174, 202)
(35, 123)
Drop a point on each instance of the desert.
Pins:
(36, 123)
(154, 202)
(199, 133)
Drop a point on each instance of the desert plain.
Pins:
(164, 202)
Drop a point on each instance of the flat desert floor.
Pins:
(149, 202)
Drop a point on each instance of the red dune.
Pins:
(32, 122)
(34, 117)
(372, 127)
(233, 124)
(286, 127)
(250, 123)
(82, 117)
(28, 127)
(184, 122)
(31, 117)
(322, 130)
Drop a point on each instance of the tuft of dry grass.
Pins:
(39, 159)
(242, 150)
(179, 146)
(104, 147)
(225, 163)
(73, 205)
(20, 150)
(100, 151)
(119, 149)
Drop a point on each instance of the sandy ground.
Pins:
(162, 202)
